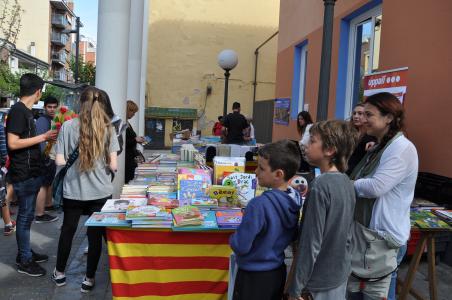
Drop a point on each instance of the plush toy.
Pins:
(300, 184)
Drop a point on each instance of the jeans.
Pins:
(26, 193)
(392, 287)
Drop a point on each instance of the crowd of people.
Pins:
(94, 139)
(354, 223)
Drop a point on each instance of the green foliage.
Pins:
(9, 82)
(86, 71)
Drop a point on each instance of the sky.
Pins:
(87, 11)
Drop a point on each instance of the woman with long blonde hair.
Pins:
(87, 184)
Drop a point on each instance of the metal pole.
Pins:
(325, 62)
(77, 46)
(226, 81)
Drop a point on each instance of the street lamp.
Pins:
(78, 24)
(227, 60)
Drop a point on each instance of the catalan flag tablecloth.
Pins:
(163, 265)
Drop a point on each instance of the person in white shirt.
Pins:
(384, 179)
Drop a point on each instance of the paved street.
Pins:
(45, 240)
(44, 237)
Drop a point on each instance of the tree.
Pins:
(86, 71)
(9, 81)
(10, 24)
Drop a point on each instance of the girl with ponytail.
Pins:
(87, 184)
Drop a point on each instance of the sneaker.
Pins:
(31, 268)
(45, 218)
(59, 280)
(9, 229)
(37, 257)
(87, 285)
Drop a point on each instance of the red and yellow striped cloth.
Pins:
(162, 264)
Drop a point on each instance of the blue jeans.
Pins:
(26, 193)
(392, 287)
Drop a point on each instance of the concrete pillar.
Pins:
(112, 60)
(144, 68)
(134, 59)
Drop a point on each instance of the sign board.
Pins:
(171, 113)
(391, 81)
(282, 111)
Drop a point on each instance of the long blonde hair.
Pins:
(95, 129)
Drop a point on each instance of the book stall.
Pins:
(168, 233)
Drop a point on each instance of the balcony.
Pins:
(59, 39)
(59, 21)
(59, 57)
(59, 75)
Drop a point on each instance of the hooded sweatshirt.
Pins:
(269, 224)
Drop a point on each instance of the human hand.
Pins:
(369, 145)
(51, 135)
(139, 139)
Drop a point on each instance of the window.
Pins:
(363, 54)
(299, 79)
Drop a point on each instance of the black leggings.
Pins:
(73, 209)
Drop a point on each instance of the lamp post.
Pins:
(227, 60)
(78, 24)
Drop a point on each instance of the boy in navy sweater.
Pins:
(269, 225)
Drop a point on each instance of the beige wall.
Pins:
(35, 28)
(185, 38)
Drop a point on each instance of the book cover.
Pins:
(427, 220)
(187, 215)
(120, 205)
(444, 214)
(209, 223)
(229, 218)
(204, 202)
(223, 164)
(245, 185)
(107, 219)
(226, 195)
(191, 189)
(162, 200)
(146, 212)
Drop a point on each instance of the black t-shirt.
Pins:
(26, 162)
(235, 123)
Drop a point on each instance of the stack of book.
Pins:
(425, 219)
(120, 205)
(133, 191)
(163, 200)
(107, 219)
(149, 216)
(187, 216)
(444, 214)
(229, 219)
(209, 223)
(204, 203)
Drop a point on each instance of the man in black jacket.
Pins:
(234, 124)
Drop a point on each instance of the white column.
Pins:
(134, 59)
(112, 60)
(144, 67)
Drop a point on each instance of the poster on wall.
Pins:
(391, 81)
(282, 111)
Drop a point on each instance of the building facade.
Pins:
(87, 48)
(368, 37)
(185, 38)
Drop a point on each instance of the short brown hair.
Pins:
(337, 135)
(132, 106)
(283, 155)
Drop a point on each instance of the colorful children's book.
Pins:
(120, 205)
(222, 164)
(107, 219)
(204, 202)
(245, 185)
(444, 214)
(147, 212)
(229, 218)
(187, 215)
(209, 223)
(427, 220)
(226, 195)
(191, 189)
(162, 201)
